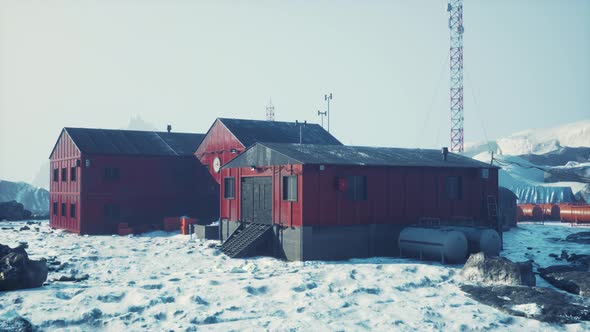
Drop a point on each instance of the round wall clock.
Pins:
(216, 164)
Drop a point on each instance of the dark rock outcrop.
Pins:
(573, 278)
(17, 271)
(580, 237)
(493, 270)
(12, 210)
(539, 303)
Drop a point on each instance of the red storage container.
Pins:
(172, 224)
(532, 212)
(185, 224)
(125, 231)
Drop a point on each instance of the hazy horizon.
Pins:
(98, 63)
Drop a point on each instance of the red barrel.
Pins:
(185, 224)
(172, 224)
(575, 213)
(531, 212)
(565, 212)
(519, 214)
(551, 211)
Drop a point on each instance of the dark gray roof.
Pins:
(249, 132)
(134, 142)
(267, 154)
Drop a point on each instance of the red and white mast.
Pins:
(455, 9)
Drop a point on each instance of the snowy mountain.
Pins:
(529, 181)
(33, 198)
(541, 165)
(536, 141)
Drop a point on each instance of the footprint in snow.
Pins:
(150, 287)
(111, 298)
(301, 288)
(256, 291)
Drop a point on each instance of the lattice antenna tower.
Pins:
(270, 111)
(455, 9)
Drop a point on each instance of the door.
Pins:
(257, 200)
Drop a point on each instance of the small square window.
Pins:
(55, 208)
(55, 175)
(63, 209)
(229, 188)
(73, 174)
(111, 174)
(64, 175)
(357, 187)
(454, 187)
(72, 210)
(290, 188)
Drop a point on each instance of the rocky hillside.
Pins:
(34, 199)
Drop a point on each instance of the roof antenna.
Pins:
(169, 128)
(270, 111)
(327, 98)
(301, 130)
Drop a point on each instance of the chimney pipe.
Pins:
(169, 128)
(445, 153)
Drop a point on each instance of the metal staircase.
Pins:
(245, 239)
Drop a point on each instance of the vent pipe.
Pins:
(169, 128)
(445, 153)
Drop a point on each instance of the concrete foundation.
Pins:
(329, 242)
(207, 232)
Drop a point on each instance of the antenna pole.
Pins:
(270, 111)
(322, 115)
(327, 98)
(455, 9)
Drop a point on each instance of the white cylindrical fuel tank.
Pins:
(479, 239)
(433, 243)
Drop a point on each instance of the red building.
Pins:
(227, 138)
(338, 202)
(101, 178)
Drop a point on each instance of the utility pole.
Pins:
(327, 98)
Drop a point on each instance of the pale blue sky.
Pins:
(96, 63)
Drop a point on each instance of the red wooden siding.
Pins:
(148, 189)
(395, 195)
(65, 155)
(218, 143)
(286, 213)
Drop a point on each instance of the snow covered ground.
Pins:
(161, 281)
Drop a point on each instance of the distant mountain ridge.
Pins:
(34, 199)
(536, 141)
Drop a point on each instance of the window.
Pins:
(229, 188)
(55, 208)
(64, 175)
(55, 175)
(357, 187)
(454, 187)
(72, 210)
(290, 188)
(485, 173)
(73, 174)
(63, 209)
(111, 211)
(111, 174)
